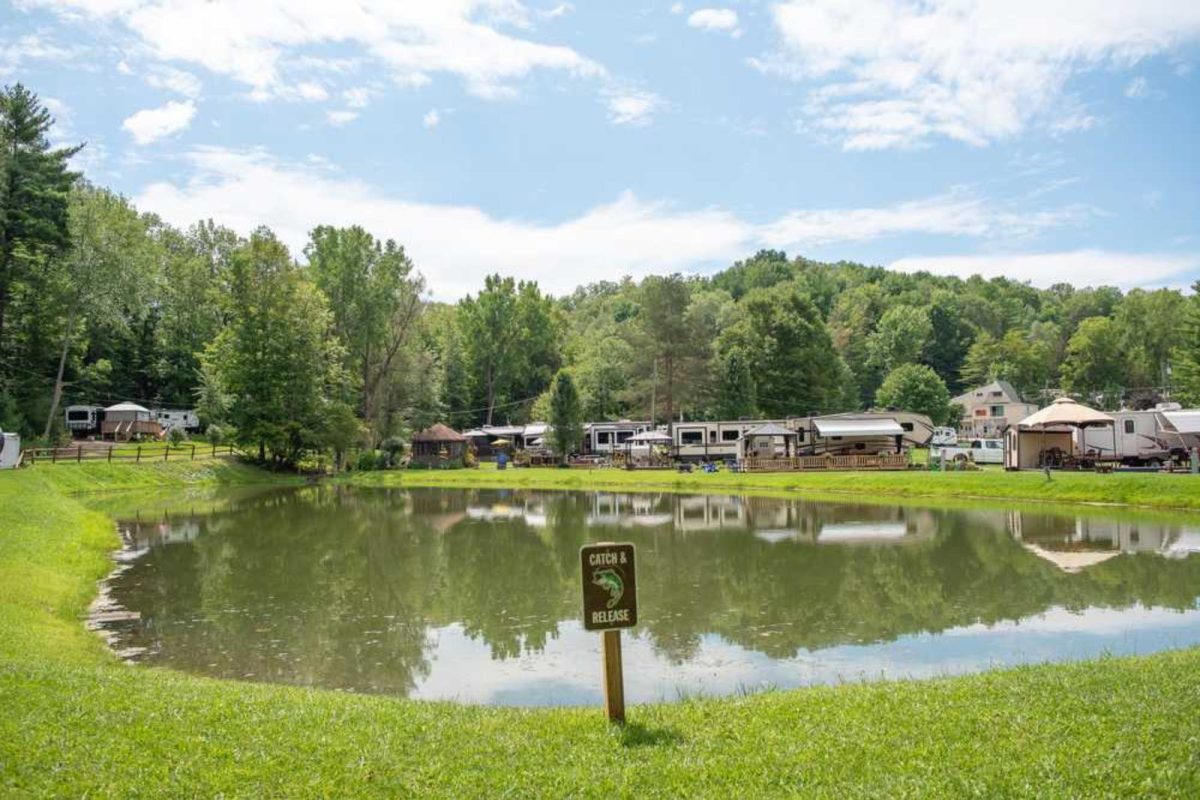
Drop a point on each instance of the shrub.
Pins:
(216, 434)
(176, 436)
(392, 451)
(367, 461)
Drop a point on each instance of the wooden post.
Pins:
(193, 452)
(138, 460)
(79, 454)
(167, 451)
(54, 456)
(614, 678)
(110, 455)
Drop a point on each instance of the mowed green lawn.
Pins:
(1162, 491)
(75, 722)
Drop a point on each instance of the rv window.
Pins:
(602, 437)
(907, 426)
(624, 436)
(860, 445)
(77, 415)
(691, 437)
(1129, 426)
(729, 436)
(712, 436)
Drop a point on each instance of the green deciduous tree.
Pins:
(899, 338)
(917, 388)
(276, 362)
(1095, 361)
(510, 333)
(789, 351)
(375, 296)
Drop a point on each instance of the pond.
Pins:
(474, 595)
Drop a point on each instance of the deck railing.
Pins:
(879, 461)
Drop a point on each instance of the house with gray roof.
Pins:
(989, 409)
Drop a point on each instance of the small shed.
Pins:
(439, 447)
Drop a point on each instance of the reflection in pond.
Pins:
(474, 594)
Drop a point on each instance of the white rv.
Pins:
(177, 419)
(606, 438)
(83, 420)
(1140, 438)
(865, 432)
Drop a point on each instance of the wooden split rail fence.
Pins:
(138, 455)
(881, 461)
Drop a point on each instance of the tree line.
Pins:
(341, 346)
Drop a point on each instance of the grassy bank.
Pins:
(1134, 489)
(73, 721)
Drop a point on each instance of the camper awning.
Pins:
(504, 430)
(858, 427)
(536, 429)
(1184, 421)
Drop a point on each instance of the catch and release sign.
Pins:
(609, 586)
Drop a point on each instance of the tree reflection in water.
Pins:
(351, 587)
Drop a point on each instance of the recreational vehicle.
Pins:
(178, 419)
(83, 420)
(606, 438)
(1139, 438)
(865, 433)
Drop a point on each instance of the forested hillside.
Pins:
(340, 344)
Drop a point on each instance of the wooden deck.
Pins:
(883, 461)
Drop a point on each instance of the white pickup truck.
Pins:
(981, 451)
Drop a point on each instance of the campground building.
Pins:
(989, 409)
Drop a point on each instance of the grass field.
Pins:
(75, 722)
(1163, 491)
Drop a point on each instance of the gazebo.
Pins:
(760, 442)
(439, 447)
(1054, 425)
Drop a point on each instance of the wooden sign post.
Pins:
(610, 604)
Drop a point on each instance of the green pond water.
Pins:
(474, 595)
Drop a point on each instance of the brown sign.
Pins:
(609, 586)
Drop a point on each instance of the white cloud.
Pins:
(340, 118)
(632, 107)
(714, 19)
(560, 10)
(151, 124)
(455, 246)
(677, 8)
(33, 47)
(270, 45)
(432, 118)
(357, 96)
(1079, 267)
(175, 80)
(895, 73)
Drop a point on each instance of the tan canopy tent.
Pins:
(1067, 413)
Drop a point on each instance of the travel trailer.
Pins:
(83, 420)
(606, 438)
(865, 433)
(1142, 438)
(178, 419)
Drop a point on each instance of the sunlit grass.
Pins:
(74, 722)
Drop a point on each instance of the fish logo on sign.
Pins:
(611, 582)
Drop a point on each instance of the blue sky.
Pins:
(572, 142)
